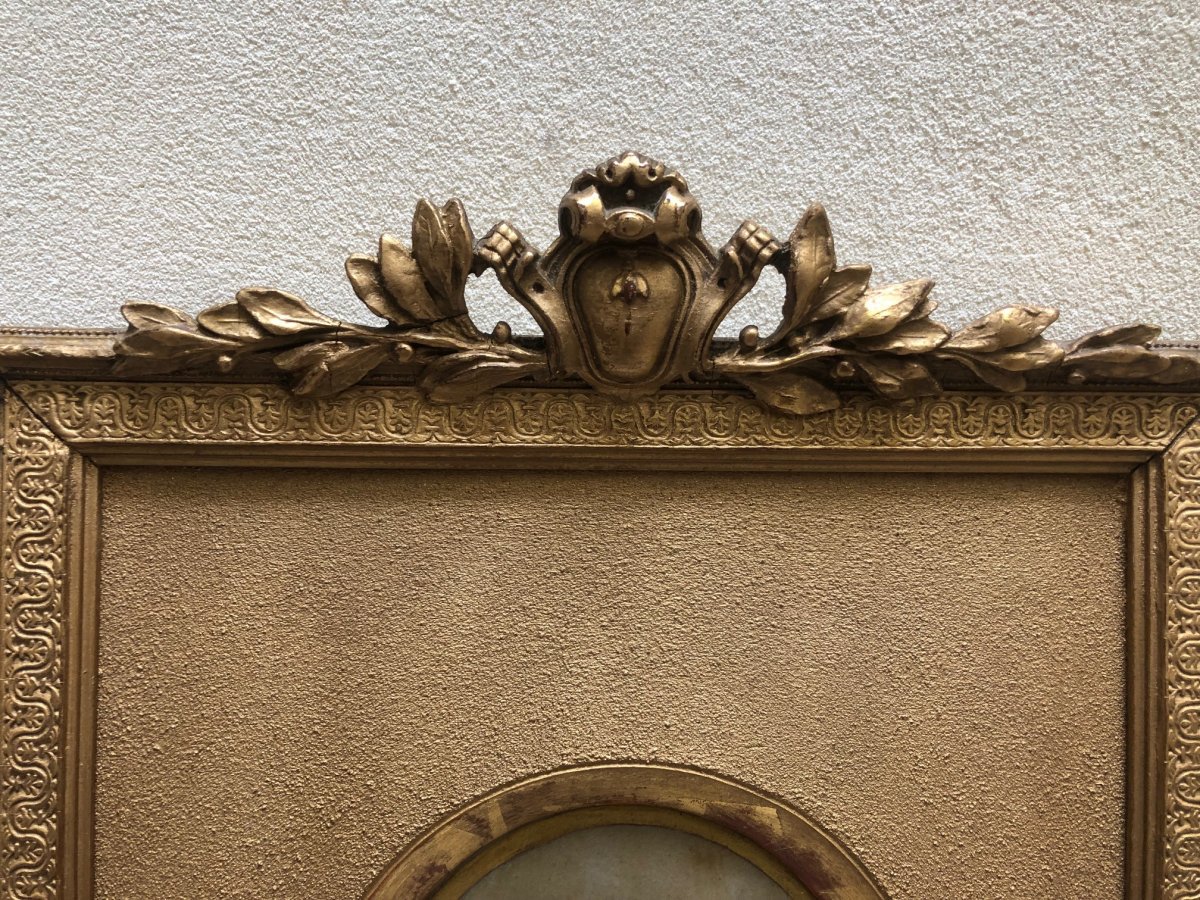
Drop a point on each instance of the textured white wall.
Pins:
(1042, 152)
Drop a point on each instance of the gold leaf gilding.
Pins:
(634, 220)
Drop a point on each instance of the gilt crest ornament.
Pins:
(629, 298)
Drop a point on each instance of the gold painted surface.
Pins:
(1181, 864)
(32, 569)
(628, 298)
(106, 412)
(312, 666)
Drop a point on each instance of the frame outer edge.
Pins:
(1180, 854)
(50, 551)
(33, 566)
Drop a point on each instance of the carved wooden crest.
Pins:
(629, 298)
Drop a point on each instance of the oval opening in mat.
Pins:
(627, 862)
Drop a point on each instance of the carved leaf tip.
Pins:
(1003, 328)
(161, 339)
(1125, 352)
(232, 321)
(841, 288)
(281, 313)
(911, 338)
(328, 368)
(880, 310)
(898, 378)
(1137, 333)
(791, 392)
(463, 376)
(140, 314)
(811, 260)
(444, 248)
(370, 284)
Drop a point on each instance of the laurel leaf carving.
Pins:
(336, 367)
(910, 338)
(834, 327)
(1006, 327)
(1182, 365)
(791, 392)
(443, 248)
(1119, 361)
(1004, 379)
(1136, 333)
(282, 313)
(841, 289)
(461, 376)
(231, 320)
(810, 261)
(366, 278)
(879, 310)
(899, 378)
(306, 355)
(166, 348)
(431, 248)
(1038, 353)
(462, 246)
(152, 315)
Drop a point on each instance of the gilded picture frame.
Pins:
(76, 403)
(58, 434)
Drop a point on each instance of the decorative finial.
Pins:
(629, 298)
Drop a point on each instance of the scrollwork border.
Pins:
(87, 412)
(33, 565)
(1181, 839)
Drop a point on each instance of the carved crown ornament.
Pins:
(629, 298)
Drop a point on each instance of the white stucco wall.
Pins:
(1042, 152)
